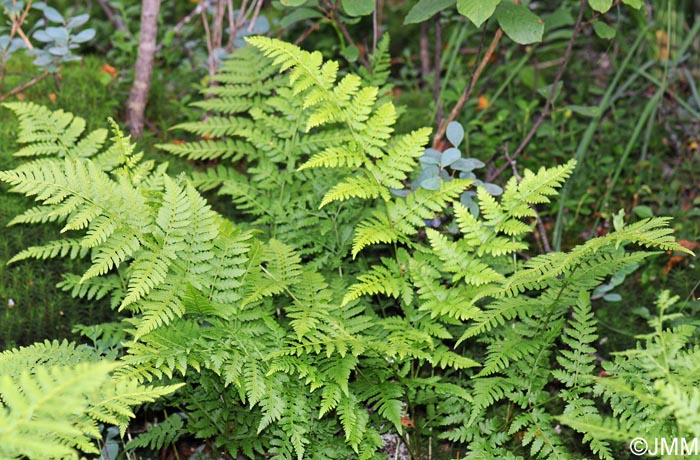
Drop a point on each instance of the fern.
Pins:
(159, 435)
(52, 397)
(285, 332)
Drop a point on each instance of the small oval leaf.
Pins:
(84, 36)
(455, 133)
(53, 15)
(493, 189)
(449, 156)
(431, 183)
(78, 21)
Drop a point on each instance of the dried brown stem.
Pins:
(476, 73)
(210, 44)
(22, 87)
(115, 19)
(231, 25)
(348, 37)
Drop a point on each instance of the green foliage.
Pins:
(287, 332)
(54, 395)
(651, 389)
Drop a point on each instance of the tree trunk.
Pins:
(138, 97)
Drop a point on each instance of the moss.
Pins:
(31, 307)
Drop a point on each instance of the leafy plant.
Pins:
(286, 341)
(54, 395)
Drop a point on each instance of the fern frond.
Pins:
(160, 434)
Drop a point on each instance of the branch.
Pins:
(22, 87)
(547, 105)
(476, 73)
(115, 19)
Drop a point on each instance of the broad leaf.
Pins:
(600, 5)
(426, 9)
(603, 30)
(519, 23)
(454, 133)
(477, 11)
(358, 7)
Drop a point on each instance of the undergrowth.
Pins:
(332, 302)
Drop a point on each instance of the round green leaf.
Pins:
(358, 7)
(603, 30)
(351, 53)
(477, 11)
(636, 4)
(600, 5)
(426, 9)
(293, 3)
(42, 36)
(454, 133)
(519, 23)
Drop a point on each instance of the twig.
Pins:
(115, 19)
(251, 25)
(348, 37)
(22, 87)
(210, 43)
(231, 25)
(309, 30)
(476, 73)
(184, 21)
(550, 97)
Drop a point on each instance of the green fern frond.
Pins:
(388, 279)
(405, 215)
(160, 434)
(363, 186)
(49, 132)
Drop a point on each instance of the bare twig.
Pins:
(476, 73)
(231, 25)
(23, 86)
(309, 30)
(348, 37)
(550, 97)
(255, 16)
(17, 25)
(114, 18)
(210, 43)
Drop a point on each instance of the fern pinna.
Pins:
(287, 330)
